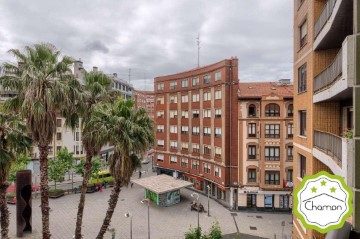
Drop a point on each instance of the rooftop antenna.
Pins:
(198, 45)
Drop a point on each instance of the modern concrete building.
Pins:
(196, 135)
(265, 145)
(121, 85)
(327, 96)
(144, 99)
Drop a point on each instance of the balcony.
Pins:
(334, 24)
(334, 151)
(336, 81)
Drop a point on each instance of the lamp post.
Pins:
(197, 200)
(209, 188)
(129, 215)
(148, 205)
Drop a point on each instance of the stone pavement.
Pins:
(170, 222)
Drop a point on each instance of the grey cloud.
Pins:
(96, 46)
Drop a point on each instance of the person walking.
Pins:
(140, 173)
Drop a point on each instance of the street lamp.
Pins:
(197, 200)
(129, 215)
(148, 205)
(208, 187)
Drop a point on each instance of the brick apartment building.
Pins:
(144, 99)
(265, 145)
(196, 128)
(327, 96)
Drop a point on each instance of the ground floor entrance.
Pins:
(265, 200)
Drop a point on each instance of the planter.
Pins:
(56, 193)
(11, 198)
(91, 188)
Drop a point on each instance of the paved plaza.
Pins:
(165, 222)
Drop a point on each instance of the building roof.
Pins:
(161, 183)
(259, 89)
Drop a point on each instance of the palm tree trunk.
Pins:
(112, 204)
(44, 187)
(87, 170)
(4, 212)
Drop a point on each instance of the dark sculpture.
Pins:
(23, 202)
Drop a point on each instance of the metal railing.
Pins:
(330, 74)
(324, 17)
(330, 144)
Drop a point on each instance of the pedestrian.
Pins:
(139, 173)
(131, 184)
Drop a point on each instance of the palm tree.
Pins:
(45, 86)
(131, 133)
(97, 89)
(13, 140)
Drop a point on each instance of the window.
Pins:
(302, 78)
(272, 110)
(207, 168)
(173, 85)
(184, 129)
(207, 114)
(184, 162)
(302, 122)
(58, 148)
(160, 86)
(302, 160)
(207, 96)
(252, 111)
(272, 177)
(58, 136)
(160, 114)
(160, 100)
(196, 98)
(252, 130)
(217, 152)
(184, 114)
(303, 34)
(173, 114)
(77, 136)
(173, 159)
(207, 149)
(160, 143)
(58, 123)
(207, 79)
(173, 99)
(160, 157)
(284, 201)
(217, 132)
(160, 128)
(272, 130)
(272, 153)
(184, 83)
(290, 152)
(290, 112)
(252, 152)
(289, 176)
(195, 81)
(184, 98)
(218, 76)
(185, 146)
(207, 131)
(173, 129)
(173, 144)
(217, 172)
(77, 149)
(218, 95)
(195, 164)
(196, 113)
(251, 175)
(217, 113)
(290, 130)
(196, 130)
(196, 148)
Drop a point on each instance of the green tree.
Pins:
(96, 166)
(213, 233)
(57, 169)
(97, 89)
(13, 139)
(19, 164)
(131, 133)
(45, 86)
(66, 158)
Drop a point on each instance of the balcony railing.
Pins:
(330, 74)
(324, 17)
(330, 144)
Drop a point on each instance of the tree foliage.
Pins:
(96, 167)
(20, 163)
(213, 233)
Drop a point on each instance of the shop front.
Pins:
(264, 200)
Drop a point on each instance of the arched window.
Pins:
(252, 111)
(272, 110)
(291, 110)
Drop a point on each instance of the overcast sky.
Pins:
(157, 37)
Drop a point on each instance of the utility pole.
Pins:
(198, 46)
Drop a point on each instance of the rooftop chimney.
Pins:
(115, 75)
(95, 69)
(284, 81)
